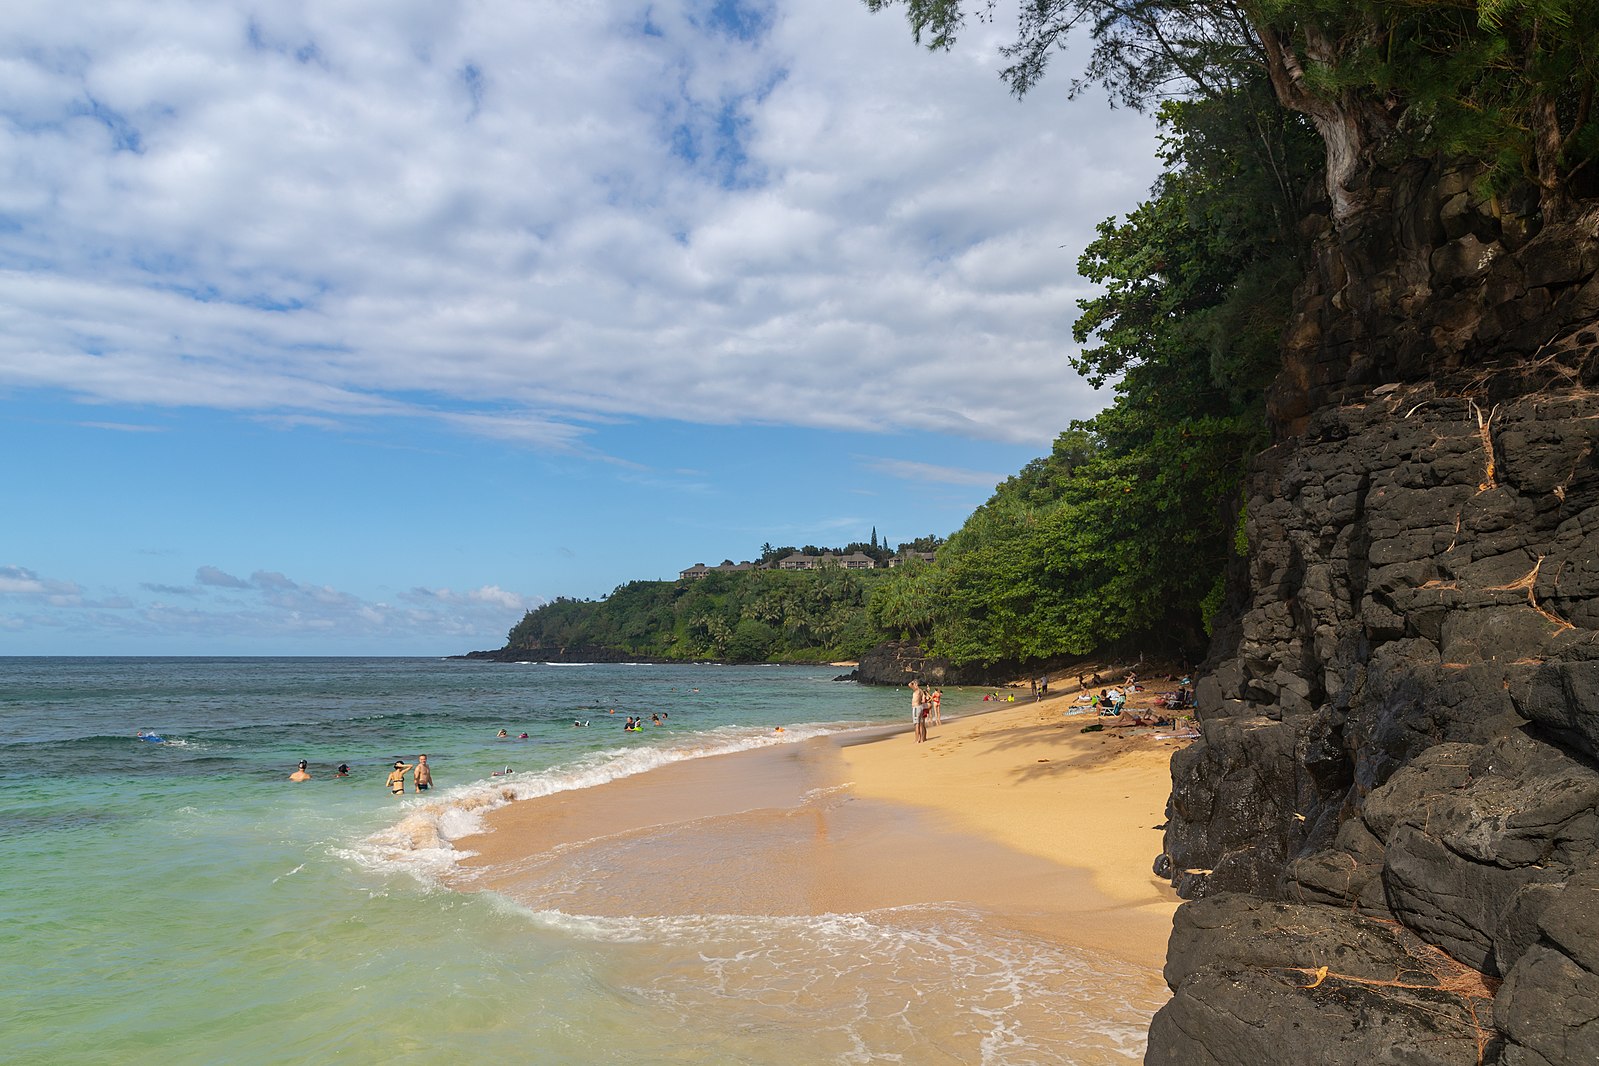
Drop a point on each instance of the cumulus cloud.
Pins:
(272, 581)
(19, 581)
(526, 220)
(275, 613)
(487, 595)
(210, 575)
(22, 585)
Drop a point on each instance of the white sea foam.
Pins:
(422, 842)
(925, 983)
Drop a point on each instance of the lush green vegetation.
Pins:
(1124, 529)
(736, 616)
(1508, 83)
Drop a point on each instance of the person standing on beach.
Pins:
(300, 774)
(423, 777)
(937, 698)
(396, 780)
(919, 711)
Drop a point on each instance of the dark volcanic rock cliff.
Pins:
(900, 662)
(1390, 829)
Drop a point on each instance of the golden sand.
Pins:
(1008, 807)
(1025, 775)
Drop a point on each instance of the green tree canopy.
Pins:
(1509, 83)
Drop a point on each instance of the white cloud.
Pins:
(270, 613)
(910, 470)
(487, 595)
(17, 581)
(520, 219)
(210, 575)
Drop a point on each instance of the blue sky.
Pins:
(354, 328)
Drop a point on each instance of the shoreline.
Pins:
(1008, 809)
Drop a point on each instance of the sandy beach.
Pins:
(1008, 808)
(1025, 776)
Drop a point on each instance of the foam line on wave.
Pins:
(423, 841)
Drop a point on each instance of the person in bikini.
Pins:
(396, 780)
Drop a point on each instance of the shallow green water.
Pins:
(181, 902)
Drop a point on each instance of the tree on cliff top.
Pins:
(1508, 83)
(1125, 529)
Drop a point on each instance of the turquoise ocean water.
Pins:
(181, 902)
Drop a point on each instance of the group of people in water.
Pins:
(634, 725)
(421, 774)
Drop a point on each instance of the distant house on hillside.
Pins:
(796, 561)
(699, 570)
(852, 561)
(904, 556)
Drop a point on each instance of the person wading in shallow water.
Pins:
(423, 776)
(396, 780)
(300, 774)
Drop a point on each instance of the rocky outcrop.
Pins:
(573, 653)
(901, 662)
(1390, 827)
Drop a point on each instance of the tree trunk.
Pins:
(1347, 127)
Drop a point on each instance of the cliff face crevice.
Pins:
(1400, 751)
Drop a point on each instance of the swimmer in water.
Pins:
(502, 734)
(300, 774)
(396, 780)
(344, 770)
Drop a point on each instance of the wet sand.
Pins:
(1009, 810)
